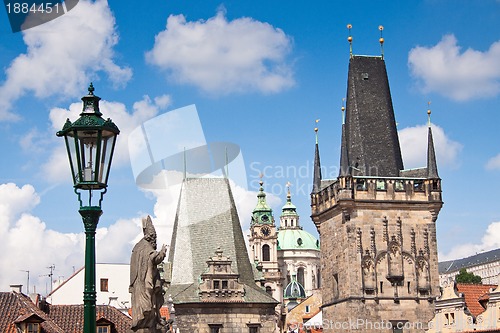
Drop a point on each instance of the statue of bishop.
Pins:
(145, 282)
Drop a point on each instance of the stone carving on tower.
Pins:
(376, 220)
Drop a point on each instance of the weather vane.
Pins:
(381, 40)
(429, 113)
(316, 130)
(349, 39)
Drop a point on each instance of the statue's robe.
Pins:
(145, 285)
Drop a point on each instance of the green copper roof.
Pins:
(294, 290)
(296, 239)
(289, 208)
(262, 205)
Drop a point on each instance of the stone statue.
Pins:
(145, 282)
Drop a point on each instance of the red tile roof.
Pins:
(70, 317)
(17, 308)
(473, 293)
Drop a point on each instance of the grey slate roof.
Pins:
(370, 128)
(206, 219)
(451, 266)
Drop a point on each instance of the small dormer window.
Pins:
(103, 329)
(32, 328)
(364, 76)
(299, 241)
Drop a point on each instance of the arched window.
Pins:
(269, 291)
(300, 276)
(266, 253)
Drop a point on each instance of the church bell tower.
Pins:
(263, 243)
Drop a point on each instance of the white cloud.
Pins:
(466, 75)
(413, 141)
(23, 235)
(493, 163)
(489, 241)
(221, 56)
(27, 243)
(56, 168)
(63, 55)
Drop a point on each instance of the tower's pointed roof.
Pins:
(289, 209)
(262, 205)
(206, 220)
(432, 171)
(317, 167)
(344, 159)
(370, 128)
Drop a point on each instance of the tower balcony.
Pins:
(375, 189)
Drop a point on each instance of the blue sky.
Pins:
(259, 73)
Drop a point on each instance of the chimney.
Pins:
(16, 288)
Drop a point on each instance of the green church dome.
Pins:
(294, 290)
(296, 239)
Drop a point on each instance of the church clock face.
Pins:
(265, 231)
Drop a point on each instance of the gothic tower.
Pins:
(376, 220)
(263, 243)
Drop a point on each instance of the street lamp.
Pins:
(90, 142)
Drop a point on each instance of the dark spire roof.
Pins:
(344, 160)
(370, 130)
(432, 171)
(317, 168)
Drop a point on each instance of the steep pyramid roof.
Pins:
(371, 138)
(207, 219)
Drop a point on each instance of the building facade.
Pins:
(467, 308)
(485, 264)
(376, 220)
(111, 288)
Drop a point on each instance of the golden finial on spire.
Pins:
(381, 40)
(316, 130)
(261, 182)
(349, 39)
(429, 113)
(288, 195)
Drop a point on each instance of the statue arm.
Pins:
(157, 257)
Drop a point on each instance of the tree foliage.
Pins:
(466, 277)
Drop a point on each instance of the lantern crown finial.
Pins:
(91, 102)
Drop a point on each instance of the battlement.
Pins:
(376, 189)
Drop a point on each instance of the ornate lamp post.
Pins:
(90, 142)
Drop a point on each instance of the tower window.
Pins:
(300, 276)
(269, 291)
(399, 185)
(380, 185)
(381, 287)
(266, 253)
(215, 328)
(418, 185)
